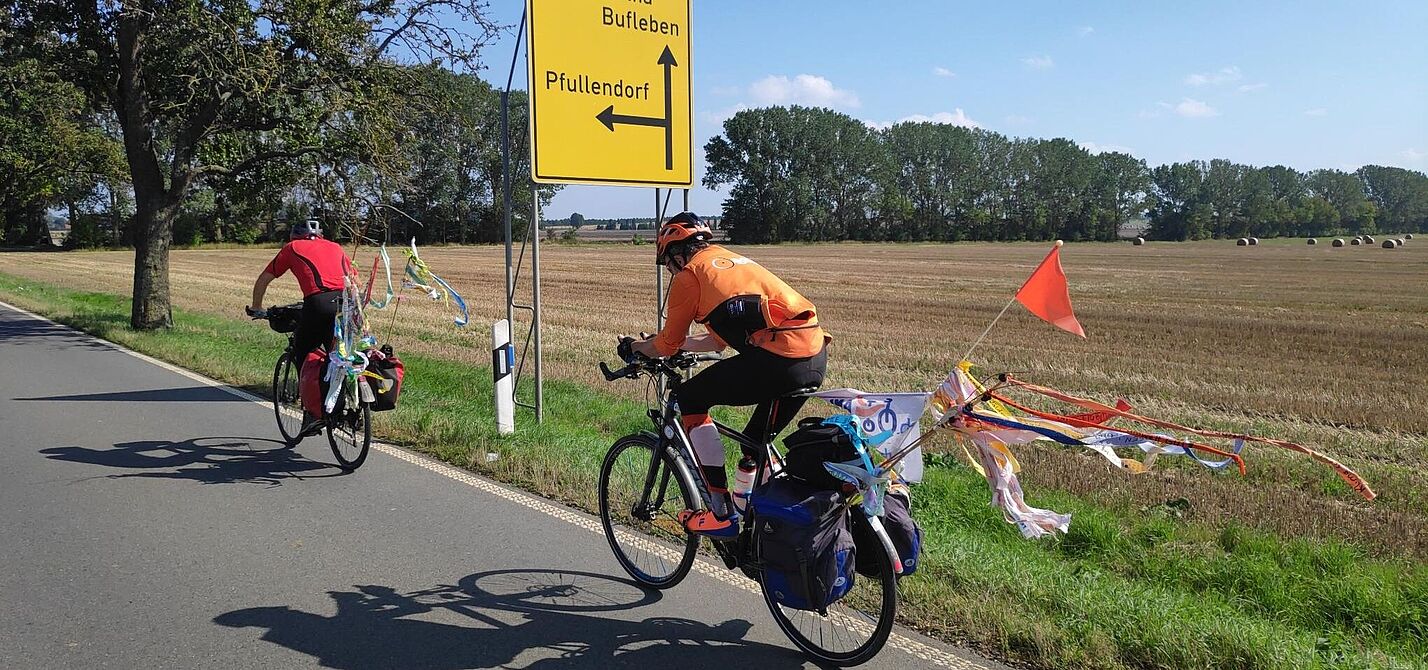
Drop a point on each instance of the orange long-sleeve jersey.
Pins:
(742, 304)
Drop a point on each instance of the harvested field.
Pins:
(1327, 346)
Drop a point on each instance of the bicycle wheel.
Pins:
(287, 405)
(855, 628)
(641, 496)
(349, 430)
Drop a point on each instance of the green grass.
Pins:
(1126, 588)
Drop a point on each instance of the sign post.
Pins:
(611, 104)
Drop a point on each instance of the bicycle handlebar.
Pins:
(667, 365)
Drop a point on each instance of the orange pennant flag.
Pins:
(1047, 295)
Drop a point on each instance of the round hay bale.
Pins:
(1242, 242)
(1254, 241)
(1313, 241)
(1338, 242)
(1139, 241)
(1408, 236)
(1356, 242)
(1390, 244)
(1368, 239)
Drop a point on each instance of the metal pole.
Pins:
(686, 200)
(506, 175)
(659, 274)
(506, 199)
(535, 301)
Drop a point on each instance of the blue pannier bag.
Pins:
(805, 549)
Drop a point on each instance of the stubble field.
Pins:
(1328, 347)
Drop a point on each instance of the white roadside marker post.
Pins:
(502, 359)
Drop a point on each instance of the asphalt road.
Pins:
(149, 519)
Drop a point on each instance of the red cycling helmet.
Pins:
(681, 228)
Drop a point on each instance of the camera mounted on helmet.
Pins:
(305, 229)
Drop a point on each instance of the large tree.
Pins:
(213, 89)
(51, 150)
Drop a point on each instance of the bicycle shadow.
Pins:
(206, 460)
(529, 619)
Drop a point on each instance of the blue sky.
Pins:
(1304, 84)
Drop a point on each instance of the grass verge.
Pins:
(1127, 588)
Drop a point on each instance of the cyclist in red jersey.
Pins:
(319, 266)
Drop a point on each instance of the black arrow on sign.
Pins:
(610, 118)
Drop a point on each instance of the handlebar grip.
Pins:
(612, 375)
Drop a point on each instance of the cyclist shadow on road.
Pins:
(207, 460)
(529, 619)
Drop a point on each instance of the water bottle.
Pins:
(743, 483)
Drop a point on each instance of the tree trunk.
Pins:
(153, 227)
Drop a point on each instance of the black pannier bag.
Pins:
(387, 390)
(806, 551)
(904, 532)
(811, 445)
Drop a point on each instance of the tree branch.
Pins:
(255, 161)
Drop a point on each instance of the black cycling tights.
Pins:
(755, 378)
(314, 330)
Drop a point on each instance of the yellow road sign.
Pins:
(610, 95)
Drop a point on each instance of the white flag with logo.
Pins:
(887, 421)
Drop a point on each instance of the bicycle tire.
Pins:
(349, 431)
(287, 400)
(624, 524)
(852, 612)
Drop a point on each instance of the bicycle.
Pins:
(638, 511)
(348, 425)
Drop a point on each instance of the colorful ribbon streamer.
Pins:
(386, 262)
(420, 276)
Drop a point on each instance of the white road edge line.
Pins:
(910, 646)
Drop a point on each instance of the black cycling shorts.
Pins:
(319, 314)
(755, 378)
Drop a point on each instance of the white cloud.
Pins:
(1084, 31)
(804, 89)
(943, 72)
(1224, 75)
(1106, 148)
(1317, 111)
(1038, 62)
(1414, 155)
(716, 118)
(957, 117)
(1194, 109)
(1250, 88)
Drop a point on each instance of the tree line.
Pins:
(810, 174)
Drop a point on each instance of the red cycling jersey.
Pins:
(316, 263)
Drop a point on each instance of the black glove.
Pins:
(624, 350)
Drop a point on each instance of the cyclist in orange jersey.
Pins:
(774, 329)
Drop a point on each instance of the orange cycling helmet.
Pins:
(681, 228)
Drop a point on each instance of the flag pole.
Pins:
(968, 355)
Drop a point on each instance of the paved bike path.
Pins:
(148, 518)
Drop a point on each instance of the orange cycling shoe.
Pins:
(705, 522)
